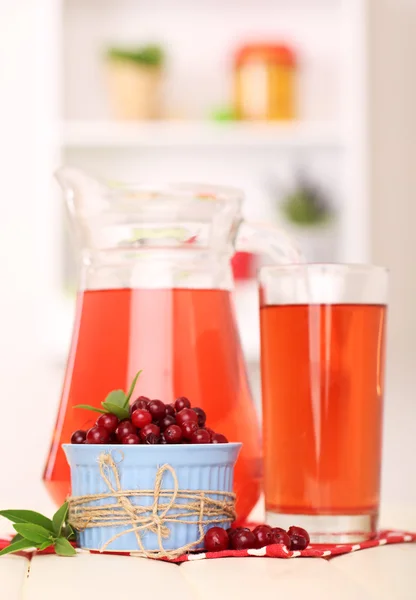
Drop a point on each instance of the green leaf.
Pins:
(32, 532)
(63, 547)
(68, 532)
(16, 538)
(27, 516)
(119, 411)
(59, 517)
(116, 397)
(88, 407)
(132, 386)
(16, 546)
(45, 545)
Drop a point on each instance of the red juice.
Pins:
(186, 341)
(322, 378)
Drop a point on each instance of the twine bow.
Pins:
(153, 518)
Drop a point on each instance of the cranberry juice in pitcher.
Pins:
(155, 294)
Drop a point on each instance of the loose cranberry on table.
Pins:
(263, 536)
(157, 409)
(280, 536)
(181, 403)
(151, 428)
(216, 539)
(299, 538)
(173, 434)
(131, 438)
(124, 428)
(141, 417)
(97, 435)
(243, 540)
(108, 421)
(78, 437)
(186, 415)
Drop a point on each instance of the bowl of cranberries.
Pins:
(155, 434)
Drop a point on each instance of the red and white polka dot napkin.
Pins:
(276, 550)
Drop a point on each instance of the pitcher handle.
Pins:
(272, 241)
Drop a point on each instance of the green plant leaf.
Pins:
(32, 532)
(59, 517)
(45, 545)
(27, 516)
(16, 538)
(88, 407)
(63, 547)
(116, 397)
(119, 411)
(68, 532)
(16, 546)
(132, 386)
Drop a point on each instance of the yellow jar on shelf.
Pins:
(265, 77)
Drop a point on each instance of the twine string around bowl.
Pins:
(154, 518)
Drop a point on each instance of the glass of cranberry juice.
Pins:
(322, 359)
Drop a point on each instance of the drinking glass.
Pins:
(323, 330)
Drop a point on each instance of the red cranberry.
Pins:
(124, 428)
(188, 429)
(151, 439)
(200, 436)
(232, 530)
(299, 538)
(78, 437)
(97, 435)
(166, 421)
(181, 403)
(263, 535)
(218, 438)
(242, 540)
(131, 438)
(157, 409)
(113, 438)
(148, 429)
(186, 415)
(279, 536)
(141, 417)
(109, 421)
(170, 410)
(173, 434)
(210, 431)
(216, 539)
(141, 402)
(202, 417)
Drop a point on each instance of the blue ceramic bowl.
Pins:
(197, 467)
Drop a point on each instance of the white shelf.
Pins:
(91, 134)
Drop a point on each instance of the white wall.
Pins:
(393, 190)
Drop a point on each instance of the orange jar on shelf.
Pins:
(265, 82)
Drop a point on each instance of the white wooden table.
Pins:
(383, 573)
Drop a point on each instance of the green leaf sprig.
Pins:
(117, 402)
(34, 530)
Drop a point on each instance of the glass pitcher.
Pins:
(155, 294)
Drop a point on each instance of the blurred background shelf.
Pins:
(167, 133)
